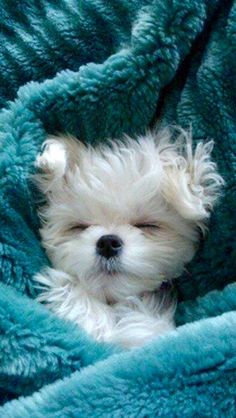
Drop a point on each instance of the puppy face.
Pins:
(122, 219)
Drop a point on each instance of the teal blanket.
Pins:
(98, 69)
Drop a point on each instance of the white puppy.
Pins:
(119, 220)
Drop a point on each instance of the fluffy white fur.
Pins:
(155, 194)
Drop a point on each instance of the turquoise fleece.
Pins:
(99, 69)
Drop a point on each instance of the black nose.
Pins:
(109, 246)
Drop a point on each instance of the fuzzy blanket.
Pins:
(97, 69)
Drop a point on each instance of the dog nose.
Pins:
(109, 246)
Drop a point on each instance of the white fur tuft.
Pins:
(192, 184)
(117, 190)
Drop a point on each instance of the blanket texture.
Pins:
(98, 69)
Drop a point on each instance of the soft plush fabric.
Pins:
(99, 69)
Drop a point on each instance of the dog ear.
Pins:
(58, 158)
(51, 163)
(191, 183)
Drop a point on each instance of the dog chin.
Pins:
(112, 284)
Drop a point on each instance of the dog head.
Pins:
(122, 218)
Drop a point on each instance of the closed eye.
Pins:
(79, 227)
(147, 225)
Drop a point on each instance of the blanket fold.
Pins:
(38, 348)
(100, 69)
(185, 372)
